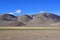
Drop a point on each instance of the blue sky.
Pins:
(29, 6)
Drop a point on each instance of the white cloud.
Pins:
(10, 13)
(18, 11)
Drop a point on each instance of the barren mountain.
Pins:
(45, 18)
(9, 20)
(25, 18)
(9, 17)
(41, 19)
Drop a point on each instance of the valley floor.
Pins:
(29, 34)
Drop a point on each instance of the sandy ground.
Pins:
(29, 34)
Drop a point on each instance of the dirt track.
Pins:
(29, 34)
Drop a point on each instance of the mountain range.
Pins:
(35, 20)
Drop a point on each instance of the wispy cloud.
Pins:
(43, 12)
(18, 11)
(10, 13)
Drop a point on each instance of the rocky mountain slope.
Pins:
(41, 19)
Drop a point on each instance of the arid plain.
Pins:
(29, 34)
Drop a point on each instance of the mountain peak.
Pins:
(42, 19)
(9, 17)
